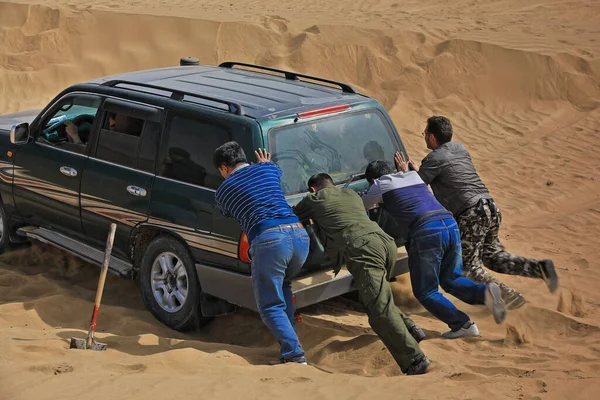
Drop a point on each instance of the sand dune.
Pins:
(521, 83)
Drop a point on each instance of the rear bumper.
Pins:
(309, 289)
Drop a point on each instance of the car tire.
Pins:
(169, 285)
(4, 232)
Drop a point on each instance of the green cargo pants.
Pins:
(369, 258)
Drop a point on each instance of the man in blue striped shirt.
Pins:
(279, 244)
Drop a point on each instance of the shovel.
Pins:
(90, 343)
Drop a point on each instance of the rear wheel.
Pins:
(169, 284)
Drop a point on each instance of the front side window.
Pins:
(71, 122)
(189, 151)
(341, 145)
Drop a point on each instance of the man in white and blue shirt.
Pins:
(279, 244)
(433, 246)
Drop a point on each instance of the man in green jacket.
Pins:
(350, 237)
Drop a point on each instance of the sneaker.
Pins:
(417, 333)
(419, 367)
(493, 301)
(301, 359)
(513, 300)
(549, 275)
(468, 330)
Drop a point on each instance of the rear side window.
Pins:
(341, 145)
(119, 139)
(188, 155)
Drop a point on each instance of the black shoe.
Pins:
(417, 333)
(419, 367)
(549, 275)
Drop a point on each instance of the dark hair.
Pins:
(373, 151)
(440, 127)
(376, 169)
(320, 181)
(229, 154)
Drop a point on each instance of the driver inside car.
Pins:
(73, 130)
(73, 133)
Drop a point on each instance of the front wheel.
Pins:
(169, 285)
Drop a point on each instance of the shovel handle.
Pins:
(101, 280)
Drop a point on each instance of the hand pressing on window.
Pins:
(404, 165)
(73, 132)
(262, 155)
(401, 162)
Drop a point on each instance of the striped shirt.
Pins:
(252, 195)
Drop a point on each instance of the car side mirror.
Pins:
(19, 134)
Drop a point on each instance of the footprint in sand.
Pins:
(276, 23)
(39, 349)
(131, 368)
(52, 369)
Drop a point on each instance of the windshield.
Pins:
(69, 112)
(340, 145)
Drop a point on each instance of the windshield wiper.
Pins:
(354, 178)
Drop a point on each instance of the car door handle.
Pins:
(68, 171)
(136, 191)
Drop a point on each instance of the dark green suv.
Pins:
(136, 149)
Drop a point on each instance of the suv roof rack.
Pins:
(290, 75)
(234, 108)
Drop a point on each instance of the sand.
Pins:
(521, 83)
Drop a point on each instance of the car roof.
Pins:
(260, 94)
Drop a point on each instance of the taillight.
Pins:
(244, 248)
(323, 111)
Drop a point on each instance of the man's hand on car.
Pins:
(262, 155)
(401, 162)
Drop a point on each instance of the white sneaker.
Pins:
(493, 301)
(468, 330)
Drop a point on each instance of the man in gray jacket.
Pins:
(457, 186)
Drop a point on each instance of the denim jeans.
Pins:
(277, 256)
(435, 259)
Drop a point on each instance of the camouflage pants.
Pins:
(479, 227)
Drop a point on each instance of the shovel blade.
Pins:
(98, 346)
(77, 343)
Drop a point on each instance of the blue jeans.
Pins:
(435, 258)
(277, 256)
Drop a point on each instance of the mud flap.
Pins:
(212, 306)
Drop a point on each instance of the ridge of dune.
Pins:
(386, 62)
(521, 84)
